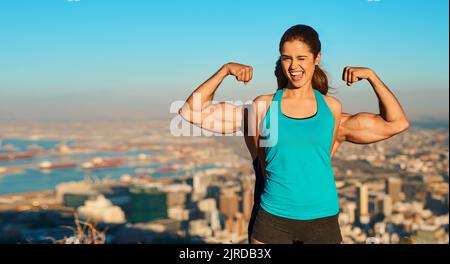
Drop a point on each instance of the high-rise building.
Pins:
(377, 206)
(362, 196)
(229, 203)
(374, 206)
(394, 188)
(350, 208)
(200, 184)
(387, 205)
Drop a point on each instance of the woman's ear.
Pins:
(318, 57)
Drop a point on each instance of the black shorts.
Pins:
(272, 229)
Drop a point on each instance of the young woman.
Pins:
(295, 193)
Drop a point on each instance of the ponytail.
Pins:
(320, 80)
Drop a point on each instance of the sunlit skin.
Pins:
(296, 56)
(298, 101)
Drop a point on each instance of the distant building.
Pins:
(200, 184)
(178, 213)
(229, 203)
(207, 205)
(430, 234)
(377, 206)
(161, 225)
(213, 190)
(147, 205)
(394, 188)
(436, 203)
(362, 196)
(387, 205)
(350, 208)
(199, 227)
(213, 220)
(74, 194)
(176, 199)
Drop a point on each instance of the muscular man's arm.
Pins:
(366, 128)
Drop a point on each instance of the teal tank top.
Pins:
(299, 180)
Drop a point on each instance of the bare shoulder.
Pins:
(264, 98)
(334, 104)
(261, 105)
(332, 101)
(262, 102)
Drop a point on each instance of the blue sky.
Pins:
(115, 58)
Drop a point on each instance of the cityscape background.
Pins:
(85, 92)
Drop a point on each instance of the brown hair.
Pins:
(309, 36)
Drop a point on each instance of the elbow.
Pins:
(185, 114)
(190, 115)
(181, 111)
(401, 126)
(404, 125)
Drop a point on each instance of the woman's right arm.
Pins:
(220, 117)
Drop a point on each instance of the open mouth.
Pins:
(296, 76)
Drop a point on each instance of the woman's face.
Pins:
(298, 63)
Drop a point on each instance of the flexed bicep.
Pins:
(223, 117)
(366, 128)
